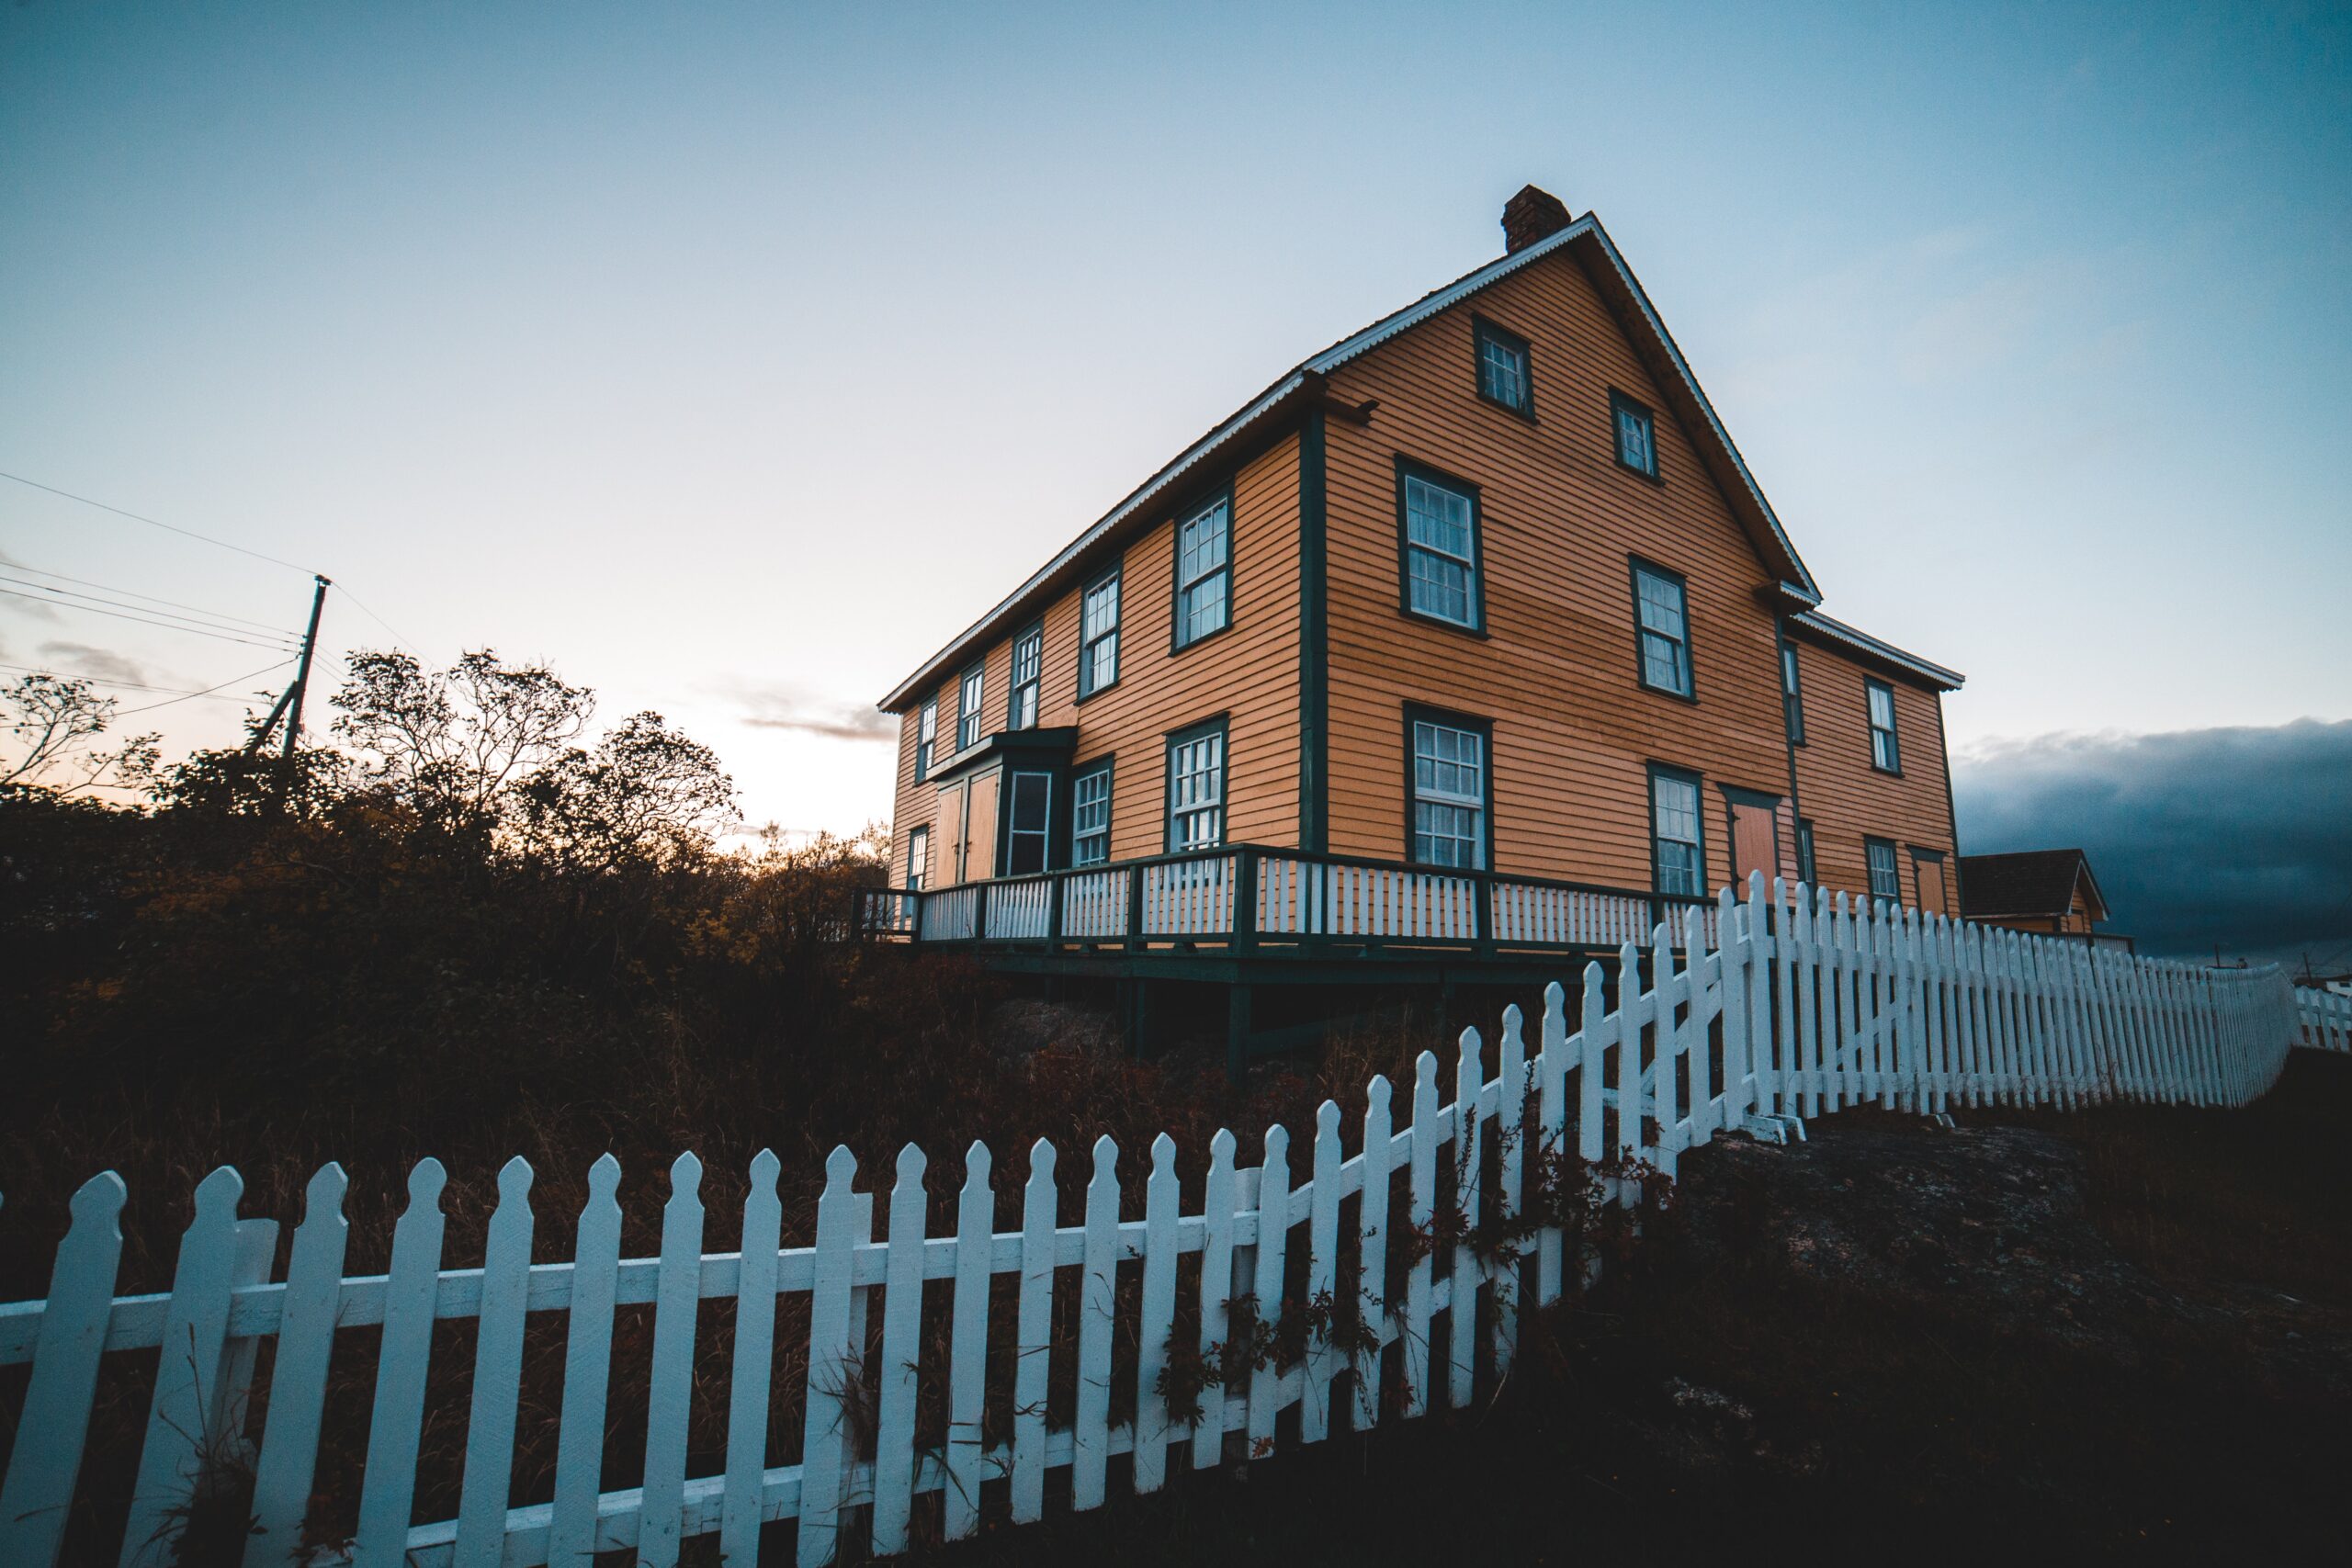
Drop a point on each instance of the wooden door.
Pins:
(979, 826)
(1927, 877)
(950, 848)
(1754, 843)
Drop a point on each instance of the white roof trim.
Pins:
(1839, 631)
(1350, 348)
(1135, 500)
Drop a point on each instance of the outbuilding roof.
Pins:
(2026, 882)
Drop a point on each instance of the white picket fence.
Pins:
(2326, 1017)
(1808, 1006)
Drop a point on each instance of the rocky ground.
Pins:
(2126, 1333)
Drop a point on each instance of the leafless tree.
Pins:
(56, 721)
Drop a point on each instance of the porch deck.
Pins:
(1250, 900)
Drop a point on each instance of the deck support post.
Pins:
(1135, 1015)
(1238, 999)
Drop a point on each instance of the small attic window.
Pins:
(1505, 376)
(1636, 435)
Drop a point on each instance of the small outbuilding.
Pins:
(2048, 892)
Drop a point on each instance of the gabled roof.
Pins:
(1304, 383)
(1883, 653)
(2026, 882)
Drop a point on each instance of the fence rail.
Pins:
(2326, 1019)
(1804, 1006)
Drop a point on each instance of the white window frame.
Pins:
(1204, 573)
(1515, 363)
(1660, 837)
(1081, 852)
(971, 698)
(926, 737)
(1870, 846)
(1678, 640)
(1029, 655)
(1098, 634)
(1430, 735)
(918, 858)
(1196, 789)
(1418, 548)
(1888, 757)
(1633, 427)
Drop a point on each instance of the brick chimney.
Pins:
(1532, 215)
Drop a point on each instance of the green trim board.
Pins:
(1406, 468)
(1314, 639)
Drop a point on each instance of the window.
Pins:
(1098, 636)
(1197, 788)
(1204, 571)
(1439, 520)
(1676, 846)
(1665, 630)
(1090, 823)
(1886, 881)
(968, 707)
(1028, 666)
(918, 859)
(1449, 794)
(1886, 753)
(1806, 869)
(926, 737)
(1791, 700)
(1503, 375)
(1636, 435)
(1028, 814)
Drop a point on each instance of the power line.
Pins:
(174, 528)
(129, 593)
(207, 691)
(167, 527)
(102, 680)
(206, 624)
(398, 639)
(142, 620)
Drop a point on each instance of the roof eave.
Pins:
(1274, 403)
(1885, 653)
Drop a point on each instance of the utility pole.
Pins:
(303, 671)
(292, 696)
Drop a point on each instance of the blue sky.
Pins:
(729, 360)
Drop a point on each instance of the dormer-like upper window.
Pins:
(1505, 376)
(1636, 435)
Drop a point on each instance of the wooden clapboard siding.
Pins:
(1846, 799)
(1574, 729)
(1248, 673)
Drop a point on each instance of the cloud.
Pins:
(32, 609)
(101, 663)
(787, 707)
(2241, 838)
